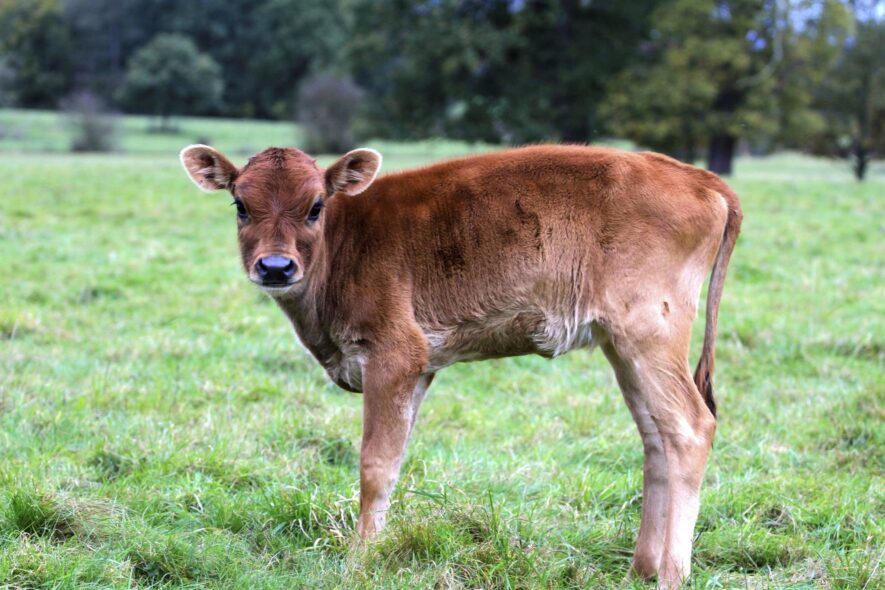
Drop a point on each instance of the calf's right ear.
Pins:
(353, 172)
(208, 167)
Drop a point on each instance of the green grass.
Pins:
(161, 427)
(42, 132)
(48, 131)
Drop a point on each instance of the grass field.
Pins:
(161, 427)
(47, 132)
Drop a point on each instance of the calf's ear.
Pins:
(208, 167)
(353, 172)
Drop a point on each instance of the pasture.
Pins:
(161, 427)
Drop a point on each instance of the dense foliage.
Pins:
(170, 76)
(682, 76)
(494, 70)
(854, 97)
(35, 46)
(714, 72)
(327, 107)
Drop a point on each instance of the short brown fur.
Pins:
(533, 250)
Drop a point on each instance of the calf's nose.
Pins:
(275, 269)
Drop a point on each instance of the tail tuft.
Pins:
(705, 387)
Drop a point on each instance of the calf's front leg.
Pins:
(392, 393)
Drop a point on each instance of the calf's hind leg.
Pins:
(677, 432)
(650, 542)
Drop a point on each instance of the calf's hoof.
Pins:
(671, 580)
(645, 567)
(370, 524)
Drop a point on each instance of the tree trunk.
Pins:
(721, 154)
(861, 159)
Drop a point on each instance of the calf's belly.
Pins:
(545, 334)
(495, 336)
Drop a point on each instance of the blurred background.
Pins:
(703, 80)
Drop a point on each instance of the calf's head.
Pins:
(279, 197)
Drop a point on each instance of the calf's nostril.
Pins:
(275, 269)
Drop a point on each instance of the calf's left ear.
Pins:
(353, 172)
(208, 167)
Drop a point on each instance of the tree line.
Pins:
(693, 78)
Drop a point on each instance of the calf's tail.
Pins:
(703, 375)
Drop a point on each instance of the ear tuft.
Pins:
(208, 167)
(353, 172)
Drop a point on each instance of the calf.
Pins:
(537, 250)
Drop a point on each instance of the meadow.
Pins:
(160, 426)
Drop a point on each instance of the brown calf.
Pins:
(534, 250)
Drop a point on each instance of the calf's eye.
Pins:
(315, 211)
(242, 215)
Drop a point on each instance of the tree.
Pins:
(287, 51)
(564, 52)
(266, 47)
(105, 35)
(647, 105)
(36, 44)
(807, 36)
(706, 79)
(716, 71)
(853, 95)
(429, 67)
(492, 70)
(7, 83)
(327, 107)
(169, 76)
